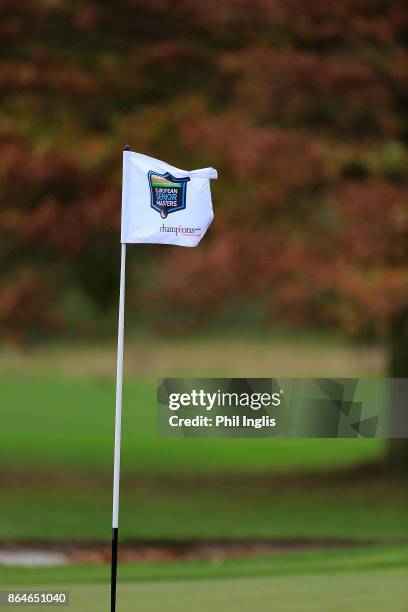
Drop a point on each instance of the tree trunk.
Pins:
(397, 454)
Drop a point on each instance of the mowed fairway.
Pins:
(57, 405)
(56, 422)
(366, 592)
(356, 580)
(56, 444)
(371, 507)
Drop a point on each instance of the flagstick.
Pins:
(118, 427)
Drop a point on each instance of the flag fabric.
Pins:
(163, 204)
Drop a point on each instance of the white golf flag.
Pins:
(163, 204)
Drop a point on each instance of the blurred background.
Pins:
(301, 107)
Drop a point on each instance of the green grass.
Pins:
(207, 508)
(61, 422)
(63, 427)
(354, 593)
(56, 444)
(357, 580)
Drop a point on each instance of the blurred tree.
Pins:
(300, 105)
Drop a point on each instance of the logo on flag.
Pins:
(151, 186)
(168, 194)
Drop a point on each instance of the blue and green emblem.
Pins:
(168, 194)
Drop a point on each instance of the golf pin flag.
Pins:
(163, 204)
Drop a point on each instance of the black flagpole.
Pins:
(114, 568)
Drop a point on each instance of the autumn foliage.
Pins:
(300, 105)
